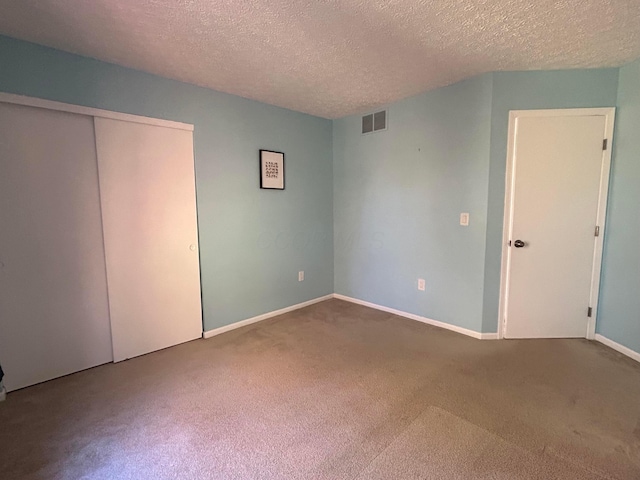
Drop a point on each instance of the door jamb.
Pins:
(514, 115)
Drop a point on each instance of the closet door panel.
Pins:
(147, 190)
(53, 296)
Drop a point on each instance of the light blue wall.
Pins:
(393, 197)
(398, 195)
(528, 91)
(252, 241)
(619, 307)
(396, 208)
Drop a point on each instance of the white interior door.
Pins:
(557, 170)
(53, 295)
(147, 188)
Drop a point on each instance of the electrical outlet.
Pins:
(464, 219)
(421, 284)
(300, 276)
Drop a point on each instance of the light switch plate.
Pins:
(464, 219)
(421, 284)
(300, 276)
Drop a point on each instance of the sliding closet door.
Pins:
(147, 188)
(53, 295)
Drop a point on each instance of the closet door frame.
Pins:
(90, 111)
(96, 113)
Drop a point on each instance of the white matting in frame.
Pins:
(271, 170)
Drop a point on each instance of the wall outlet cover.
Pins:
(464, 219)
(421, 284)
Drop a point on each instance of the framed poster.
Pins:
(271, 170)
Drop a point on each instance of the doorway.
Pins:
(558, 164)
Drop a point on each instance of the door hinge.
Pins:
(589, 312)
(597, 231)
(604, 144)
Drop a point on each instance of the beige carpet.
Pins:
(335, 391)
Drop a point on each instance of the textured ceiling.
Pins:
(332, 58)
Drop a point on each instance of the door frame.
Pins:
(507, 224)
(90, 111)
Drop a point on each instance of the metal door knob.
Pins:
(518, 244)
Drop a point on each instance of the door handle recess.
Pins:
(519, 244)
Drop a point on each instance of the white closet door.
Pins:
(147, 189)
(53, 295)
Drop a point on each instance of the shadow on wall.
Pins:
(3, 392)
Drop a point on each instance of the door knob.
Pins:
(518, 244)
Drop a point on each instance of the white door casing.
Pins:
(147, 192)
(556, 191)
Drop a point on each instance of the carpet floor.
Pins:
(335, 391)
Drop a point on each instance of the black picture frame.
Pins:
(267, 182)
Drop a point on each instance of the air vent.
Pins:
(380, 121)
(374, 122)
(367, 123)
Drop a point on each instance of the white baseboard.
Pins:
(464, 331)
(617, 347)
(264, 316)
(488, 336)
(429, 321)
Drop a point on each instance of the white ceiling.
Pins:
(332, 58)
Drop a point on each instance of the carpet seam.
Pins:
(395, 437)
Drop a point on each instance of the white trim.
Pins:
(489, 336)
(264, 316)
(609, 114)
(601, 222)
(92, 112)
(617, 347)
(418, 318)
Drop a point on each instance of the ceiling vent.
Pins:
(374, 122)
